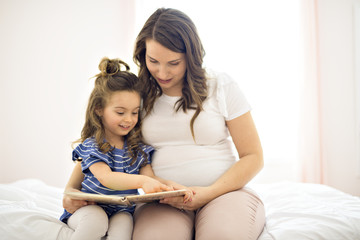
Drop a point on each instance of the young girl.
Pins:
(111, 154)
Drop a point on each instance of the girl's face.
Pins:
(120, 115)
(166, 66)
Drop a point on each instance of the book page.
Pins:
(124, 199)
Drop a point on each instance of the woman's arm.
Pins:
(243, 132)
(245, 137)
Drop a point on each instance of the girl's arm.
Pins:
(148, 171)
(74, 184)
(124, 181)
(243, 132)
(76, 178)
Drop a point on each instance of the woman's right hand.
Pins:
(71, 205)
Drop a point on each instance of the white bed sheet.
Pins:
(309, 211)
(29, 209)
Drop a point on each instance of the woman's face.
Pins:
(166, 66)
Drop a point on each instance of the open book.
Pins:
(124, 199)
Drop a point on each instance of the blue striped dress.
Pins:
(118, 160)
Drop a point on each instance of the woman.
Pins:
(193, 119)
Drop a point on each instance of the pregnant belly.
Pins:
(192, 165)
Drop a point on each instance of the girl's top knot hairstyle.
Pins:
(114, 76)
(174, 30)
(111, 66)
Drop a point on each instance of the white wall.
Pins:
(339, 131)
(48, 51)
(59, 44)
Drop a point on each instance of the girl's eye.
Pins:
(120, 113)
(135, 113)
(174, 64)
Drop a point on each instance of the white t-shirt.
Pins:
(177, 156)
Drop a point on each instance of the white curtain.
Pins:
(312, 167)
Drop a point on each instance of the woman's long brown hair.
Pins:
(174, 30)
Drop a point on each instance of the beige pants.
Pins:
(92, 223)
(236, 215)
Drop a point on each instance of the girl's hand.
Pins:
(71, 205)
(152, 185)
(188, 195)
(203, 196)
(183, 200)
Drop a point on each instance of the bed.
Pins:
(29, 209)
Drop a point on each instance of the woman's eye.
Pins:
(174, 64)
(120, 113)
(135, 113)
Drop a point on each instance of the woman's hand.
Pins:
(201, 196)
(71, 205)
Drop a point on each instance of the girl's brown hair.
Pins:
(174, 30)
(111, 79)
